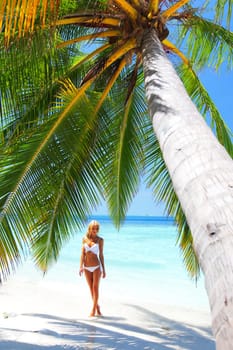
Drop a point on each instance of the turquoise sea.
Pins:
(142, 260)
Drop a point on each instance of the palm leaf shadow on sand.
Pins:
(107, 333)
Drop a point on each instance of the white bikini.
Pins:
(95, 250)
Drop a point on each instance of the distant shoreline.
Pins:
(135, 218)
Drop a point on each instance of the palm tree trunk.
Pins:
(202, 176)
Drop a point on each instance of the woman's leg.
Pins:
(93, 279)
(89, 278)
(95, 291)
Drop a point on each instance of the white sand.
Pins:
(42, 315)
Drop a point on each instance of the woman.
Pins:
(92, 263)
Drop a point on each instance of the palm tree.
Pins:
(97, 136)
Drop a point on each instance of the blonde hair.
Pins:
(92, 224)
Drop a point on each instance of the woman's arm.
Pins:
(82, 259)
(101, 255)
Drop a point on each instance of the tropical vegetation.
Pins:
(76, 124)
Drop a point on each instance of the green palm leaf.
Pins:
(223, 11)
(58, 168)
(28, 81)
(124, 156)
(204, 48)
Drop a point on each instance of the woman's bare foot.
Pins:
(98, 311)
(92, 314)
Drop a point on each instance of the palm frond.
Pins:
(204, 48)
(171, 47)
(127, 8)
(124, 158)
(18, 18)
(78, 189)
(48, 194)
(28, 80)
(171, 10)
(88, 20)
(90, 37)
(107, 61)
(85, 5)
(223, 11)
(119, 67)
(153, 7)
(133, 78)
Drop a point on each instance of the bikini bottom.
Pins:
(91, 268)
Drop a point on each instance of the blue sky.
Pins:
(220, 87)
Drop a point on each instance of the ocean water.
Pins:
(142, 262)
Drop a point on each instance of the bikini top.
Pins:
(94, 248)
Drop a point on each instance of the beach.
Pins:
(41, 316)
(147, 300)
